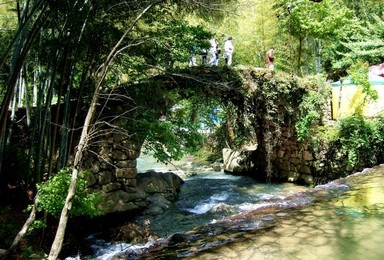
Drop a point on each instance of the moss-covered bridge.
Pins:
(266, 104)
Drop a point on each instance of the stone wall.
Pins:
(297, 161)
(271, 110)
(110, 168)
(112, 163)
(292, 160)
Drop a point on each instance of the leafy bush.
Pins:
(311, 109)
(350, 145)
(53, 193)
(359, 72)
(361, 139)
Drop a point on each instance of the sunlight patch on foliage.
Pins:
(53, 193)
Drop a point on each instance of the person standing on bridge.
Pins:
(212, 51)
(269, 59)
(217, 53)
(228, 51)
(192, 60)
(203, 53)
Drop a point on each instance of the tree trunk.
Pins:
(299, 53)
(59, 237)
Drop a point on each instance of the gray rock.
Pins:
(237, 161)
(154, 193)
(221, 208)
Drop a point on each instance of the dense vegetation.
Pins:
(72, 53)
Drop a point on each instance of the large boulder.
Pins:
(238, 162)
(122, 201)
(134, 234)
(153, 194)
(161, 188)
(165, 183)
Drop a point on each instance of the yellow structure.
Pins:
(347, 97)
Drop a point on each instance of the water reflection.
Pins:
(367, 193)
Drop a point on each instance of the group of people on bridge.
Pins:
(214, 52)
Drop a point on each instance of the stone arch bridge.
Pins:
(267, 103)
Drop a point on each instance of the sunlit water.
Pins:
(345, 221)
(340, 220)
(201, 195)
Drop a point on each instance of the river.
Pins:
(343, 219)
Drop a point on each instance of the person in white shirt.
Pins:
(212, 52)
(228, 51)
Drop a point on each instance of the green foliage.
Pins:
(364, 42)
(63, 58)
(305, 18)
(253, 26)
(31, 252)
(359, 73)
(303, 127)
(175, 39)
(307, 29)
(37, 224)
(364, 10)
(274, 100)
(175, 107)
(63, 53)
(175, 135)
(281, 91)
(324, 133)
(360, 139)
(311, 109)
(53, 193)
(352, 143)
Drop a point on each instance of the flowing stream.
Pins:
(219, 216)
(209, 197)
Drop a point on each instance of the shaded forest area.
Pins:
(55, 52)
